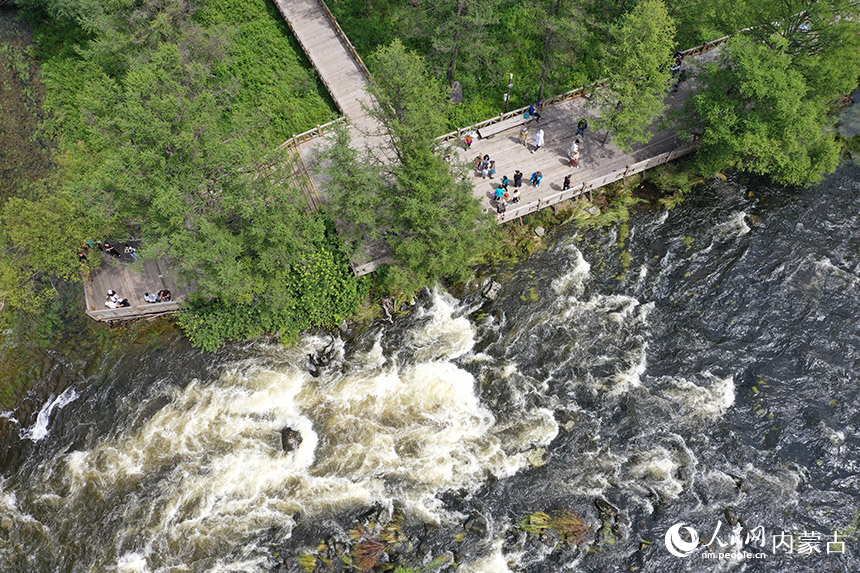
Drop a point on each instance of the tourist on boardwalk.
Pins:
(566, 184)
(524, 136)
(581, 127)
(492, 169)
(516, 196)
(538, 140)
(108, 248)
(112, 300)
(679, 58)
(534, 111)
(505, 182)
(499, 196)
(131, 251)
(536, 178)
(518, 178)
(574, 154)
(469, 141)
(150, 297)
(164, 295)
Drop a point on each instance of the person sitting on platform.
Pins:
(111, 301)
(123, 303)
(150, 297)
(164, 295)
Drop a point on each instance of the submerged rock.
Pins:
(322, 359)
(290, 439)
(537, 457)
(605, 510)
(477, 524)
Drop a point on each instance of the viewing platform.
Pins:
(344, 74)
(130, 279)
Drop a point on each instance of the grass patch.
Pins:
(570, 527)
(275, 79)
(676, 178)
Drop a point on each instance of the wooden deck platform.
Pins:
(600, 164)
(346, 77)
(130, 280)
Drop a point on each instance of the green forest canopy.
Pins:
(161, 113)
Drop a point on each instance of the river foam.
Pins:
(39, 429)
(206, 472)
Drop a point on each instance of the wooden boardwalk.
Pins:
(338, 64)
(600, 164)
(130, 280)
(346, 77)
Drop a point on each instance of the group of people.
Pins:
(485, 167)
(108, 249)
(127, 249)
(162, 296)
(502, 196)
(113, 300)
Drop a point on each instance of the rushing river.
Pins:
(712, 379)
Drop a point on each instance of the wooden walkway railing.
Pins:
(305, 182)
(299, 175)
(591, 184)
(574, 93)
(312, 133)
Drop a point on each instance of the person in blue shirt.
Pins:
(534, 111)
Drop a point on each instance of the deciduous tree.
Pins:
(759, 115)
(638, 62)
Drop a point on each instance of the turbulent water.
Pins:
(717, 370)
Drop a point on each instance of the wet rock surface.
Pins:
(290, 439)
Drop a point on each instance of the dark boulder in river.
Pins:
(290, 439)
